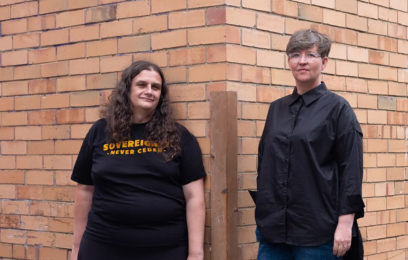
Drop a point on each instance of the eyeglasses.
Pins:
(308, 56)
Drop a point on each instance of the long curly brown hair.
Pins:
(118, 113)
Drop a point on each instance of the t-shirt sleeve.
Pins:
(192, 167)
(83, 165)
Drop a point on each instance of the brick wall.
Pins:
(60, 58)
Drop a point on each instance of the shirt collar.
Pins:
(310, 96)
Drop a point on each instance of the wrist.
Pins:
(346, 220)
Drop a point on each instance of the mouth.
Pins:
(148, 99)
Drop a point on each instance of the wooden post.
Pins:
(223, 136)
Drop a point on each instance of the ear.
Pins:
(325, 60)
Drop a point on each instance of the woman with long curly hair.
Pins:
(140, 177)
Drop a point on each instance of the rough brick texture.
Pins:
(60, 59)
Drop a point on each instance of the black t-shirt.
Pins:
(138, 198)
(310, 168)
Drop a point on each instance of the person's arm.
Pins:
(195, 213)
(349, 157)
(342, 235)
(83, 201)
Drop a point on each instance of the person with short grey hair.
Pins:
(310, 164)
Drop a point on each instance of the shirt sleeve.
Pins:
(349, 157)
(191, 166)
(83, 165)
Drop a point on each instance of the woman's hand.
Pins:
(196, 256)
(342, 236)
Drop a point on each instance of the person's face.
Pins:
(145, 91)
(307, 66)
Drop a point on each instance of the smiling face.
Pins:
(145, 91)
(307, 67)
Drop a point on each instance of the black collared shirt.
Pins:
(310, 168)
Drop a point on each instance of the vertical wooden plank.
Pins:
(223, 136)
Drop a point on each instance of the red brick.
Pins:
(256, 38)
(82, 99)
(67, 146)
(186, 19)
(13, 147)
(71, 83)
(116, 28)
(24, 9)
(43, 22)
(42, 238)
(215, 15)
(6, 43)
(14, 118)
(49, 6)
(186, 56)
(194, 92)
(14, 58)
(41, 86)
(27, 102)
(285, 8)
(84, 66)
(14, 26)
(5, 13)
(14, 88)
(27, 72)
(52, 253)
(101, 81)
(100, 14)
(72, 51)
(41, 147)
(79, 131)
(6, 73)
(101, 48)
(133, 9)
(160, 6)
(243, 17)
(169, 39)
(115, 63)
(70, 18)
(133, 44)
(84, 33)
(214, 72)
(54, 69)
(205, 35)
(28, 133)
(175, 74)
(6, 103)
(6, 133)
(59, 193)
(70, 116)
(216, 53)
(42, 55)
(55, 101)
(54, 37)
(245, 92)
(56, 132)
(150, 24)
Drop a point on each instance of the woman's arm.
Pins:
(83, 201)
(195, 211)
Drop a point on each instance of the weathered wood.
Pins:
(223, 136)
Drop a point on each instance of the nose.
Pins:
(303, 58)
(149, 88)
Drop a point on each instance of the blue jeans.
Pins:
(268, 251)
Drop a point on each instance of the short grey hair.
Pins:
(306, 39)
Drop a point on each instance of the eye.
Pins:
(156, 86)
(313, 55)
(294, 55)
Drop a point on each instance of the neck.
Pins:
(303, 87)
(140, 118)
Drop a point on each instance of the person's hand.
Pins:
(342, 236)
(195, 256)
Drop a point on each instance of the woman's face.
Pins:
(145, 91)
(307, 66)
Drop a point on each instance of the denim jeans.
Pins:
(268, 251)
